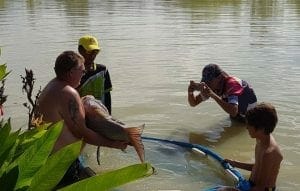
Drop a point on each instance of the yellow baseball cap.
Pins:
(89, 43)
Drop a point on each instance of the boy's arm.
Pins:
(241, 165)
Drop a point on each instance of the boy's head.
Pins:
(210, 72)
(263, 116)
(89, 43)
(213, 76)
(89, 48)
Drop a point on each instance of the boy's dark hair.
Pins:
(65, 62)
(210, 72)
(263, 116)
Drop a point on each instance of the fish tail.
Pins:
(135, 136)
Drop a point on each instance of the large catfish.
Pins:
(98, 119)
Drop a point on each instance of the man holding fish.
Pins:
(60, 100)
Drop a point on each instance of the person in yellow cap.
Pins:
(96, 80)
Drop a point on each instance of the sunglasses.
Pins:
(81, 70)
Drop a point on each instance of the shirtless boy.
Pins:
(261, 121)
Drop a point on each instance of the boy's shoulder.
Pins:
(272, 152)
(101, 67)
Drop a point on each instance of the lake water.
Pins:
(152, 49)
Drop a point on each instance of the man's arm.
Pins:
(74, 118)
(194, 99)
(231, 109)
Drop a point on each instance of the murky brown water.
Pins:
(152, 49)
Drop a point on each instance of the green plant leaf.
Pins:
(8, 142)
(31, 134)
(112, 179)
(23, 189)
(52, 172)
(27, 139)
(3, 72)
(6, 149)
(9, 154)
(4, 132)
(9, 180)
(4, 161)
(35, 132)
(36, 155)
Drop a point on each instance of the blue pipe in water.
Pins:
(242, 183)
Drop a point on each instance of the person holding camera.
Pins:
(233, 95)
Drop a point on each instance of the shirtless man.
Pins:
(59, 100)
(261, 122)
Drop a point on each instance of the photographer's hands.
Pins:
(205, 91)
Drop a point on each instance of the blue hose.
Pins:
(242, 183)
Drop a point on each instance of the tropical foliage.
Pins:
(26, 162)
(3, 74)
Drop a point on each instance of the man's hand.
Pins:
(192, 86)
(205, 90)
(195, 86)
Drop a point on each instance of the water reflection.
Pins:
(75, 8)
(204, 4)
(218, 134)
(31, 4)
(296, 4)
(2, 4)
(265, 8)
(77, 13)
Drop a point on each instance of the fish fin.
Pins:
(135, 136)
(98, 155)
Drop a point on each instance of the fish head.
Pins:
(93, 106)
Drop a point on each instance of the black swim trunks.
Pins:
(71, 176)
(76, 172)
